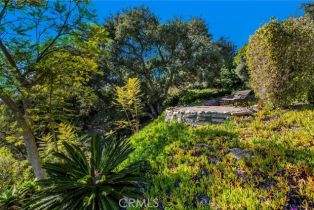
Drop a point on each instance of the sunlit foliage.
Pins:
(194, 168)
(128, 98)
(280, 59)
(12, 171)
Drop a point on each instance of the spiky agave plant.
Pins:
(77, 181)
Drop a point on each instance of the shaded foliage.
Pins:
(194, 96)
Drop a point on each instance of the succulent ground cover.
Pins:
(265, 161)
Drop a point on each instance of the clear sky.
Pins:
(235, 20)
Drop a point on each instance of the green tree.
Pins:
(227, 78)
(161, 55)
(240, 62)
(43, 66)
(280, 59)
(94, 181)
(227, 50)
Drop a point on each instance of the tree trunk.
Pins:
(28, 136)
(159, 109)
(153, 111)
(156, 109)
(31, 149)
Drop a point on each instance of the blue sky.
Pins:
(236, 20)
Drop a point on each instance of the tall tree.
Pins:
(160, 55)
(32, 36)
(227, 50)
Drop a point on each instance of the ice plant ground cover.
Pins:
(265, 161)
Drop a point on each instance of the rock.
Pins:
(203, 199)
(212, 102)
(199, 145)
(213, 159)
(238, 153)
(202, 115)
(217, 120)
(255, 108)
(267, 183)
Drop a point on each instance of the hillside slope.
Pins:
(260, 162)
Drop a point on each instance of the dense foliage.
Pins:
(45, 68)
(12, 171)
(193, 96)
(280, 59)
(198, 168)
(64, 77)
(241, 64)
(161, 55)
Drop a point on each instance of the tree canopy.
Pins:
(43, 66)
(160, 55)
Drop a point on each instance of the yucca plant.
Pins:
(95, 181)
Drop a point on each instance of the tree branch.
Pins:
(9, 103)
(42, 54)
(2, 13)
(12, 62)
(7, 55)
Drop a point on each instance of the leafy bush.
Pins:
(53, 142)
(12, 171)
(280, 60)
(15, 197)
(194, 96)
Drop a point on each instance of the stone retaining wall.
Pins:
(203, 115)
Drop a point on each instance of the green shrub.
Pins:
(280, 60)
(12, 171)
(194, 96)
(16, 197)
